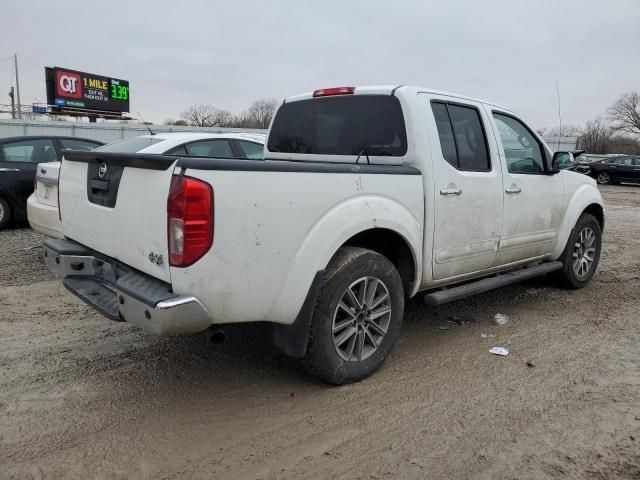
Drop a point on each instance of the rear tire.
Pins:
(582, 253)
(357, 318)
(5, 213)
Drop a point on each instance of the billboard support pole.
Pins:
(15, 58)
(13, 104)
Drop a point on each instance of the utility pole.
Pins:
(13, 104)
(15, 57)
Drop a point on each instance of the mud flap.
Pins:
(292, 339)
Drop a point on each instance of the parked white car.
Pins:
(42, 205)
(368, 196)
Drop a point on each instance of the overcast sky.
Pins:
(230, 53)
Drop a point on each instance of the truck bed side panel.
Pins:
(275, 229)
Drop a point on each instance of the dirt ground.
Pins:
(82, 397)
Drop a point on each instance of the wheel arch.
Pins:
(394, 247)
(586, 199)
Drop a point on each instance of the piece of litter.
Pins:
(444, 327)
(487, 335)
(531, 364)
(500, 319)
(503, 352)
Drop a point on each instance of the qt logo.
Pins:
(68, 84)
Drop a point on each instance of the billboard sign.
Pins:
(72, 89)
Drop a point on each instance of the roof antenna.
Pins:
(559, 114)
(145, 124)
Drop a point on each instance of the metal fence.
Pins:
(560, 144)
(104, 132)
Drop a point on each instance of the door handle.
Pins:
(451, 191)
(513, 189)
(9, 169)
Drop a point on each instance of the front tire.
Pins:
(582, 253)
(603, 178)
(357, 318)
(5, 213)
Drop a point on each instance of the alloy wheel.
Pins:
(584, 252)
(361, 319)
(603, 178)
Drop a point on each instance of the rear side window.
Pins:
(209, 148)
(129, 145)
(340, 125)
(252, 150)
(462, 137)
(74, 144)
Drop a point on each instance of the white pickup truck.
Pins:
(367, 196)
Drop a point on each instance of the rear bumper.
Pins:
(121, 293)
(43, 218)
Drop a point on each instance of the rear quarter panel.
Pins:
(275, 230)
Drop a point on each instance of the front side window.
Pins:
(340, 125)
(462, 137)
(522, 151)
(35, 151)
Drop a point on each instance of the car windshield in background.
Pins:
(340, 125)
(129, 145)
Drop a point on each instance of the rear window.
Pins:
(340, 125)
(129, 145)
(75, 144)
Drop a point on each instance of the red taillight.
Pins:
(189, 220)
(326, 92)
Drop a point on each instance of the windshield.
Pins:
(340, 125)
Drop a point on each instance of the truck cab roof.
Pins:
(404, 90)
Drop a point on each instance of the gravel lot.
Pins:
(83, 397)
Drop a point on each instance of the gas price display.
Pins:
(74, 89)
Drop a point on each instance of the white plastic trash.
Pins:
(501, 351)
(500, 319)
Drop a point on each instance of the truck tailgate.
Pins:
(116, 204)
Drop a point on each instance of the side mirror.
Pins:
(561, 160)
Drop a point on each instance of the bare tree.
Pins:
(207, 116)
(625, 113)
(259, 113)
(595, 137)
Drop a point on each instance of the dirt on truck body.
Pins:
(81, 397)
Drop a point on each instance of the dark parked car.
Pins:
(625, 168)
(19, 158)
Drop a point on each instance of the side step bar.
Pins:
(486, 284)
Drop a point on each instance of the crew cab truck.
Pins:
(367, 196)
